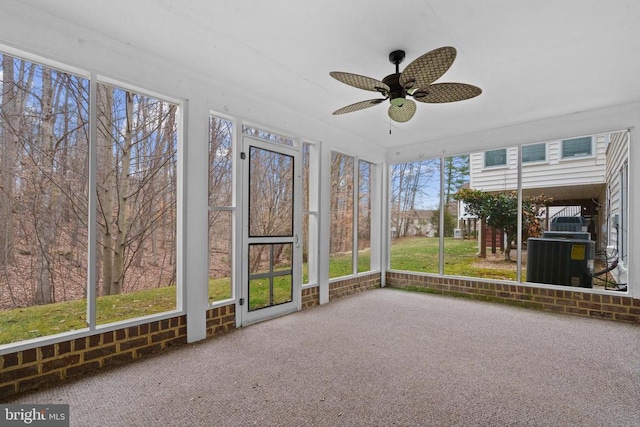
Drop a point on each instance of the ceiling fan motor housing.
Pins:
(396, 93)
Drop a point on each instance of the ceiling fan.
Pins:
(416, 81)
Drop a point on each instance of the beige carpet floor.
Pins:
(381, 358)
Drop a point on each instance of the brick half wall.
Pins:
(343, 288)
(51, 364)
(310, 297)
(569, 301)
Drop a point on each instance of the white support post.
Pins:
(193, 218)
(325, 224)
(380, 246)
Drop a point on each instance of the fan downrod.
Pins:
(396, 57)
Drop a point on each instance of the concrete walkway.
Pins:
(384, 357)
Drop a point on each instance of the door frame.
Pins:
(243, 314)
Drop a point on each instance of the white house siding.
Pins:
(617, 158)
(552, 173)
(496, 178)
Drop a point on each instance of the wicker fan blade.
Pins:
(361, 82)
(358, 106)
(404, 112)
(446, 92)
(428, 68)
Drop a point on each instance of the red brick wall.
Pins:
(310, 297)
(569, 301)
(52, 363)
(353, 285)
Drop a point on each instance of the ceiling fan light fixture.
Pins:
(398, 102)
(402, 113)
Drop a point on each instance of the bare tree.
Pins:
(44, 162)
(410, 182)
(106, 183)
(47, 183)
(137, 199)
(7, 159)
(342, 180)
(270, 201)
(44, 208)
(15, 86)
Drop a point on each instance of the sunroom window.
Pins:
(44, 181)
(222, 210)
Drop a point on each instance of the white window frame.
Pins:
(584, 156)
(374, 265)
(313, 213)
(233, 209)
(497, 166)
(95, 78)
(93, 225)
(372, 181)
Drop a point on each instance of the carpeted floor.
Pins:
(381, 358)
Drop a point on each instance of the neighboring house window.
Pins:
(534, 153)
(577, 147)
(495, 158)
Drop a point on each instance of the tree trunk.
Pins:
(123, 190)
(483, 239)
(45, 207)
(8, 153)
(167, 230)
(107, 189)
(507, 249)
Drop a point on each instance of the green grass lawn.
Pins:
(419, 254)
(31, 322)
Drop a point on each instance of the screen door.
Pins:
(272, 277)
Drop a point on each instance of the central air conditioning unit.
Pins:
(578, 235)
(569, 223)
(555, 261)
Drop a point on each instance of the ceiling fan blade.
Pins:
(358, 106)
(361, 82)
(428, 68)
(446, 92)
(404, 112)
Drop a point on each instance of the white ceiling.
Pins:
(533, 59)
